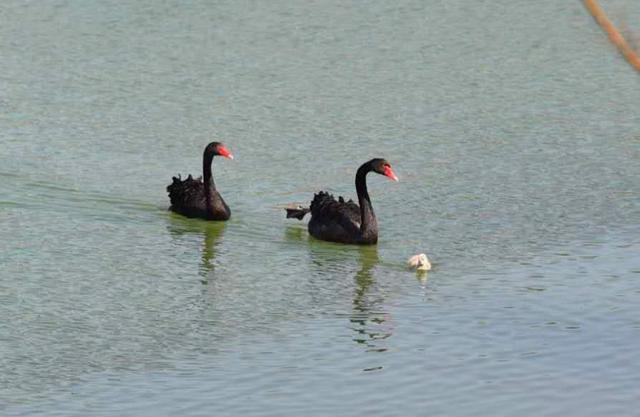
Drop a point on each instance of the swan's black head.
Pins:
(217, 148)
(381, 166)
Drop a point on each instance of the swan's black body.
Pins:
(345, 221)
(195, 198)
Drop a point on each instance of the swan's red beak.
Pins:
(389, 173)
(224, 152)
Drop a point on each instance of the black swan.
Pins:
(344, 221)
(193, 198)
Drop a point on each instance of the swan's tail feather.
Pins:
(297, 212)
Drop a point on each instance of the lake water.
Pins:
(514, 128)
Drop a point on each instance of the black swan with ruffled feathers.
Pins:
(195, 198)
(345, 221)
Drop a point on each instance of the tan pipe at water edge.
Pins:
(614, 35)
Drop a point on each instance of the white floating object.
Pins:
(419, 262)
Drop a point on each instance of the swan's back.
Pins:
(325, 206)
(334, 220)
(187, 196)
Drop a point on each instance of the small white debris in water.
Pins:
(419, 262)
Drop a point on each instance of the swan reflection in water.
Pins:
(210, 233)
(334, 279)
(368, 319)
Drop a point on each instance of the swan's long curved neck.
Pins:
(207, 177)
(368, 222)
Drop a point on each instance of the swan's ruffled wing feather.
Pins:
(325, 208)
(183, 193)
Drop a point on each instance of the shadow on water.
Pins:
(296, 233)
(210, 232)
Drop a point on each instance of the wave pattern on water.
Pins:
(515, 143)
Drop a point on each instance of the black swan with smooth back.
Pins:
(195, 198)
(345, 221)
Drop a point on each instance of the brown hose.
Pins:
(614, 35)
